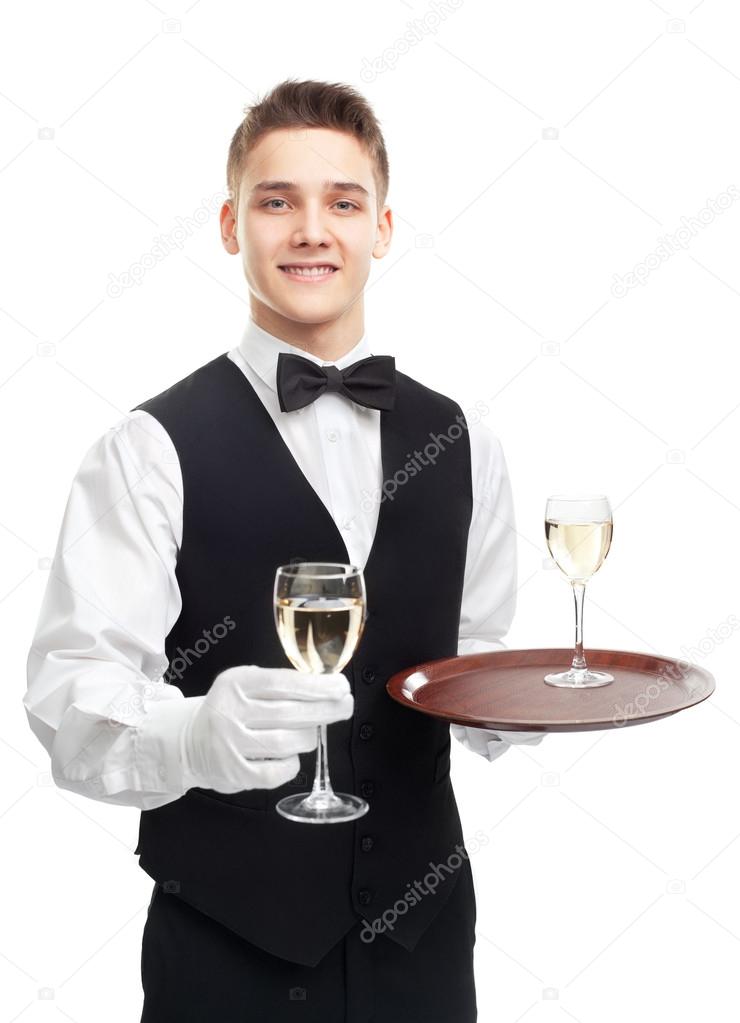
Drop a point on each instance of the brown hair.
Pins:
(309, 104)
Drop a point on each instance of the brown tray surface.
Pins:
(504, 689)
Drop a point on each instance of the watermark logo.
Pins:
(208, 639)
(416, 32)
(422, 458)
(438, 873)
(134, 706)
(676, 672)
(670, 244)
(164, 245)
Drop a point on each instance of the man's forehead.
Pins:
(308, 159)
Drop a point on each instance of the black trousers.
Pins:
(194, 970)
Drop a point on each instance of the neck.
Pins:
(328, 341)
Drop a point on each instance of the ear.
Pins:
(227, 217)
(384, 233)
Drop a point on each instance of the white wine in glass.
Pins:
(578, 531)
(320, 612)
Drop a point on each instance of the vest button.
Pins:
(368, 675)
(367, 843)
(365, 896)
(366, 731)
(367, 788)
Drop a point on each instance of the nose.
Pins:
(311, 227)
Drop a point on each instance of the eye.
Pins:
(345, 202)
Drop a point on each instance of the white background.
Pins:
(536, 151)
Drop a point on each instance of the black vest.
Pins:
(291, 888)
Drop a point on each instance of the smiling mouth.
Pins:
(309, 272)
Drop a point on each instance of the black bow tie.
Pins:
(370, 382)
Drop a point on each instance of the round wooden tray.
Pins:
(504, 689)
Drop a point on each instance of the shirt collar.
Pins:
(261, 349)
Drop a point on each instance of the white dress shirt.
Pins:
(95, 696)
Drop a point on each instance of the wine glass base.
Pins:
(331, 809)
(579, 678)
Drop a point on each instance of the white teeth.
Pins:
(306, 271)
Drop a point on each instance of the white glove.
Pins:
(520, 738)
(249, 728)
(493, 744)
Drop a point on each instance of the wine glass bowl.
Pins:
(320, 610)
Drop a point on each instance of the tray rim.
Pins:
(397, 680)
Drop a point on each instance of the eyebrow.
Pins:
(292, 186)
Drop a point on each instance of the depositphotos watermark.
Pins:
(422, 458)
(439, 872)
(676, 672)
(200, 647)
(416, 32)
(164, 245)
(670, 244)
(134, 706)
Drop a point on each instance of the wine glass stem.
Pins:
(321, 784)
(579, 661)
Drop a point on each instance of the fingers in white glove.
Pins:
(520, 738)
(271, 714)
(250, 680)
(250, 727)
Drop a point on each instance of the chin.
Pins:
(309, 307)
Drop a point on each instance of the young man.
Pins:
(295, 445)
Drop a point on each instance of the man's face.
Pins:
(307, 196)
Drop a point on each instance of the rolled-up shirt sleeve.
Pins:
(490, 584)
(95, 697)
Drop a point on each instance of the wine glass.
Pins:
(320, 612)
(579, 534)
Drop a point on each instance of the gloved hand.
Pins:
(521, 738)
(247, 731)
(493, 744)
